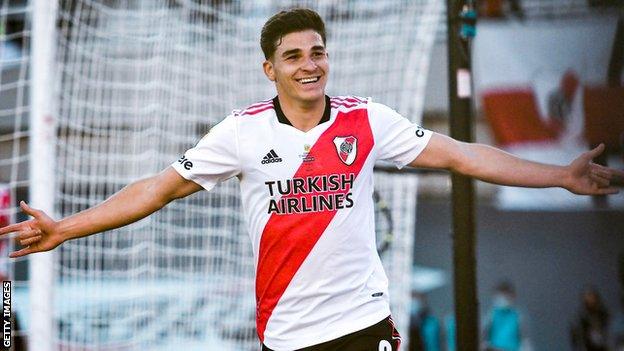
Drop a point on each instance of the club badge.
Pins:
(346, 147)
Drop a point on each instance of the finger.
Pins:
(617, 172)
(597, 150)
(602, 183)
(30, 240)
(23, 252)
(608, 191)
(602, 173)
(29, 234)
(14, 227)
(614, 175)
(29, 210)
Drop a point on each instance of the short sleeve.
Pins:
(397, 139)
(214, 158)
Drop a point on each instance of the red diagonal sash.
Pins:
(287, 239)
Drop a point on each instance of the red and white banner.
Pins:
(531, 78)
(537, 53)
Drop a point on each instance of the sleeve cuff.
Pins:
(204, 183)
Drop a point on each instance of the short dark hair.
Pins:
(286, 22)
(506, 287)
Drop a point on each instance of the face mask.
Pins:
(501, 301)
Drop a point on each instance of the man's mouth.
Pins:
(308, 80)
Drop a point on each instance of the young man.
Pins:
(305, 164)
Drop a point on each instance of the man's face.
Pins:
(299, 67)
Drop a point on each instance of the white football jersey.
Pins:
(307, 198)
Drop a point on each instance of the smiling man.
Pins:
(298, 64)
(305, 164)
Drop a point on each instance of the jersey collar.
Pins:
(282, 118)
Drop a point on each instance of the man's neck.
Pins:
(303, 116)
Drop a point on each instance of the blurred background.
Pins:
(123, 87)
(547, 77)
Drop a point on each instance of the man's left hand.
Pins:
(588, 178)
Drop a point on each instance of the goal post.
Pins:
(42, 144)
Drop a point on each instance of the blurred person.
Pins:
(310, 219)
(450, 332)
(589, 330)
(505, 328)
(561, 99)
(424, 326)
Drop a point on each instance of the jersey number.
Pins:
(384, 345)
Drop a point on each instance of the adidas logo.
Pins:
(271, 157)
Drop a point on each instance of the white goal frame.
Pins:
(42, 143)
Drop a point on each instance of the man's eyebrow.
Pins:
(296, 50)
(290, 52)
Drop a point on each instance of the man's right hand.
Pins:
(132, 203)
(37, 234)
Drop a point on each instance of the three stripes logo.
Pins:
(271, 157)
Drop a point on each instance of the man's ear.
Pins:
(267, 66)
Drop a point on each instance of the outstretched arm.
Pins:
(132, 203)
(492, 165)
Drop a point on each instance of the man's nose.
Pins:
(309, 64)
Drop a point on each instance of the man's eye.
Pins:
(291, 57)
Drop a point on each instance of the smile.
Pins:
(308, 80)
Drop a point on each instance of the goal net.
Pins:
(15, 38)
(138, 83)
